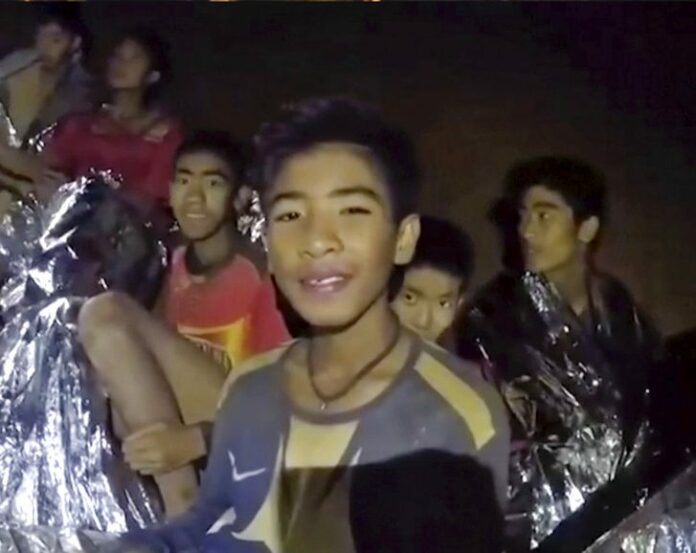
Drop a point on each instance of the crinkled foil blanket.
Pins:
(62, 483)
(666, 524)
(562, 395)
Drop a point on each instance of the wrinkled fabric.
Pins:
(577, 389)
(60, 469)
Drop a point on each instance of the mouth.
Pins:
(325, 283)
(195, 216)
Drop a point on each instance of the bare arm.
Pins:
(22, 163)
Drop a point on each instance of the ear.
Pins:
(154, 77)
(588, 230)
(76, 49)
(406, 239)
(76, 44)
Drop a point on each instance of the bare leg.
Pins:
(153, 375)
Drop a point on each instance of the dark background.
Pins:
(479, 86)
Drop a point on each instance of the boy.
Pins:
(430, 289)
(573, 354)
(41, 85)
(217, 297)
(339, 186)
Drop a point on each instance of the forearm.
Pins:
(21, 163)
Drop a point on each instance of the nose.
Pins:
(526, 228)
(321, 237)
(194, 192)
(423, 318)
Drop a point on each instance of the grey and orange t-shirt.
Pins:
(278, 479)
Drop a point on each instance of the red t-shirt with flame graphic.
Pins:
(231, 314)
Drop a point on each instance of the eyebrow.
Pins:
(545, 205)
(211, 173)
(364, 191)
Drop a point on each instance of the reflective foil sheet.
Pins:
(251, 221)
(60, 471)
(666, 524)
(576, 424)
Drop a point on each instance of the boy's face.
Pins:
(332, 241)
(428, 301)
(54, 44)
(129, 67)
(550, 237)
(201, 194)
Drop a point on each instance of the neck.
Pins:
(217, 248)
(571, 283)
(128, 104)
(337, 350)
(53, 70)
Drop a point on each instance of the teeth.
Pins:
(326, 281)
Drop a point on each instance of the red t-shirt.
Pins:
(231, 314)
(94, 141)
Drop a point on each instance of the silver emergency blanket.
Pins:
(251, 221)
(61, 476)
(666, 524)
(576, 425)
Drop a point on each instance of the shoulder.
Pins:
(177, 265)
(16, 61)
(460, 384)
(254, 372)
(164, 128)
(82, 121)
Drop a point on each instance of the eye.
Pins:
(182, 181)
(446, 304)
(355, 210)
(544, 216)
(214, 183)
(286, 217)
(409, 298)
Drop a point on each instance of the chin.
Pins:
(327, 320)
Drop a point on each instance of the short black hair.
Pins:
(220, 144)
(67, 16)
(339, 119)
(425, 502)
(157, 51)
(582, 186)
(442, 245)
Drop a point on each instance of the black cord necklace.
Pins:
(326, 399)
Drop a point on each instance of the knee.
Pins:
(102, 319)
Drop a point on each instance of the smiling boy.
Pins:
(164, 373)
(339, 186)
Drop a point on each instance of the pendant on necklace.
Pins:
(322, 407)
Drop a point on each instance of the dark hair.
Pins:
(67, 16)
(441, 245)
(337, 119)
(157, 51)
(426, 502)
(581, 186)
(220, 144)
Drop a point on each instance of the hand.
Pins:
(161, 448)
